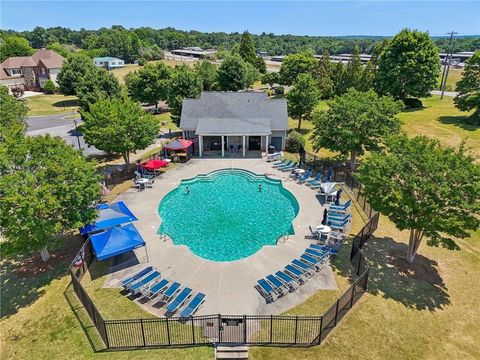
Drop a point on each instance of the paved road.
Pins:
(446, 93)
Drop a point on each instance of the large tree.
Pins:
(119, 126)
(409, 66)
(468, 88)
(323, 73)
(208, 74)
(296, 64)
(150, 84)
(185, 83)
(96, 84)
(353, 71)
(233, 74)
(247, 48)
(14, 46)
(303, 98)
(270, 78)
(356, 122)
(431, 191)
(47, 190)
(73, 69)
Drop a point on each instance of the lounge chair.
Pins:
(299, 275)
(309, 260)
(301, 265)
(170, 292)
(279, 162)
(176, 303)
(193, 305)
(266, 290)
(340, 208)
(156, 289)
(290, 282)
(338, 217)
(330, 249)
(286, 164)
(304, 177)
(290, 168)
(339, 225)
(277, 284)
(315, 180)
(315, 252)
(328, 191)
(140, 274)
(137, 286)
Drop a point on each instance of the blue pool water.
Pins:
(225, 217)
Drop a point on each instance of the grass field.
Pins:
(121, 72)
(454, 75)
(51, 104)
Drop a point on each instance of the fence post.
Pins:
(193, 331)
(107, 342)
(359, 261)
(143, 333)
(353, 294)
(219, 328)
(320, 331)
(336, 313)
(271, 328)
(296, 328)
(245, 329)
(168, 332)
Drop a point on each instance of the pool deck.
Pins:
(229, 286)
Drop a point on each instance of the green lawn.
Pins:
(51, 104)
(454, 75)
(121, 72)
(166, 121)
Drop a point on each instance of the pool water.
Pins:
(223, 216)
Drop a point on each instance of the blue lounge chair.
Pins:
(175, 304)
(338, 216)
(340, 208)
(193, 305)
(315, 253)
(315, 179)
(299, 275)
(318, 183)
(304, 177)
(309, 260)
(156, 289)
(277, 284)
(301, 265)
(287, 280)
(140, 274)
(338, 225)
(289, 168)
(137, 286)
(266, 290)
(329, 249)
(287, 164)
(279, 163)
(171, 291)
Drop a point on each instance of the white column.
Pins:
(266, 144)
(223, 147)
(200, 145)
(243, 145)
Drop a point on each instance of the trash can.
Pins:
(271, 149)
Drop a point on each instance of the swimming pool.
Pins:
(224, 216)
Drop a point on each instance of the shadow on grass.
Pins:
(23, 279)
(417, 286)
(84, 320)
(65, 103)
(463, 122)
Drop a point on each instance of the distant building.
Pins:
(194, 51)
(234, 123)
(31, 72)
(109, 62)
(262, 54)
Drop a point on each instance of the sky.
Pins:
(279, 17)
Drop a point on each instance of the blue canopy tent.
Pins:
(109, 215)
(116, 240)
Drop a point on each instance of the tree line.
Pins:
(134, 44)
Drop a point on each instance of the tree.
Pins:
(323, 74)
(429, 190)
(96, 84)
(260, 64)
(247, 49)
(296, 64)
(270, 79)
(232, 74)
(295, 141)
(73, 69)
(338, 79)
(150, 84)
(409, 66)
(353, 71)
(185, 83)
(468, 88)
(61, 49)
(356, 122)
(49, 87)
(47, 190)
(119, 126)
(14, 46)
(208, 73)
(303, 98)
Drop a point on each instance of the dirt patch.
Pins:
(32, 266)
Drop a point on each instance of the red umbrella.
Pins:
(153, 165)
(179, 144)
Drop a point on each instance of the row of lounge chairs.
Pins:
(149, 283)
(296, 273)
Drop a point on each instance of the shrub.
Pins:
(142, 62)
(279, 90)
(295, 140)
(17, 91)
(413, 103)
(50, 87)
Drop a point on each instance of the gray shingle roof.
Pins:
(234, 113)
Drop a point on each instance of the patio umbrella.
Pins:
(325, 215)
(339, 195)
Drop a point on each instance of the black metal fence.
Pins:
(266, 330)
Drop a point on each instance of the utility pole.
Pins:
(446, 68)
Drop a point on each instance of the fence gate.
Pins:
(232, 329)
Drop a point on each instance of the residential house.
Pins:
(109, 62)
(234, 123)
(31, 72)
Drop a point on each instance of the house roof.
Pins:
(49, 58)
(107, 58)
(16, 62)
(234, 113)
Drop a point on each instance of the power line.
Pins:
(446, 68)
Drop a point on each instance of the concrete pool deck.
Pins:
(229, 286)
